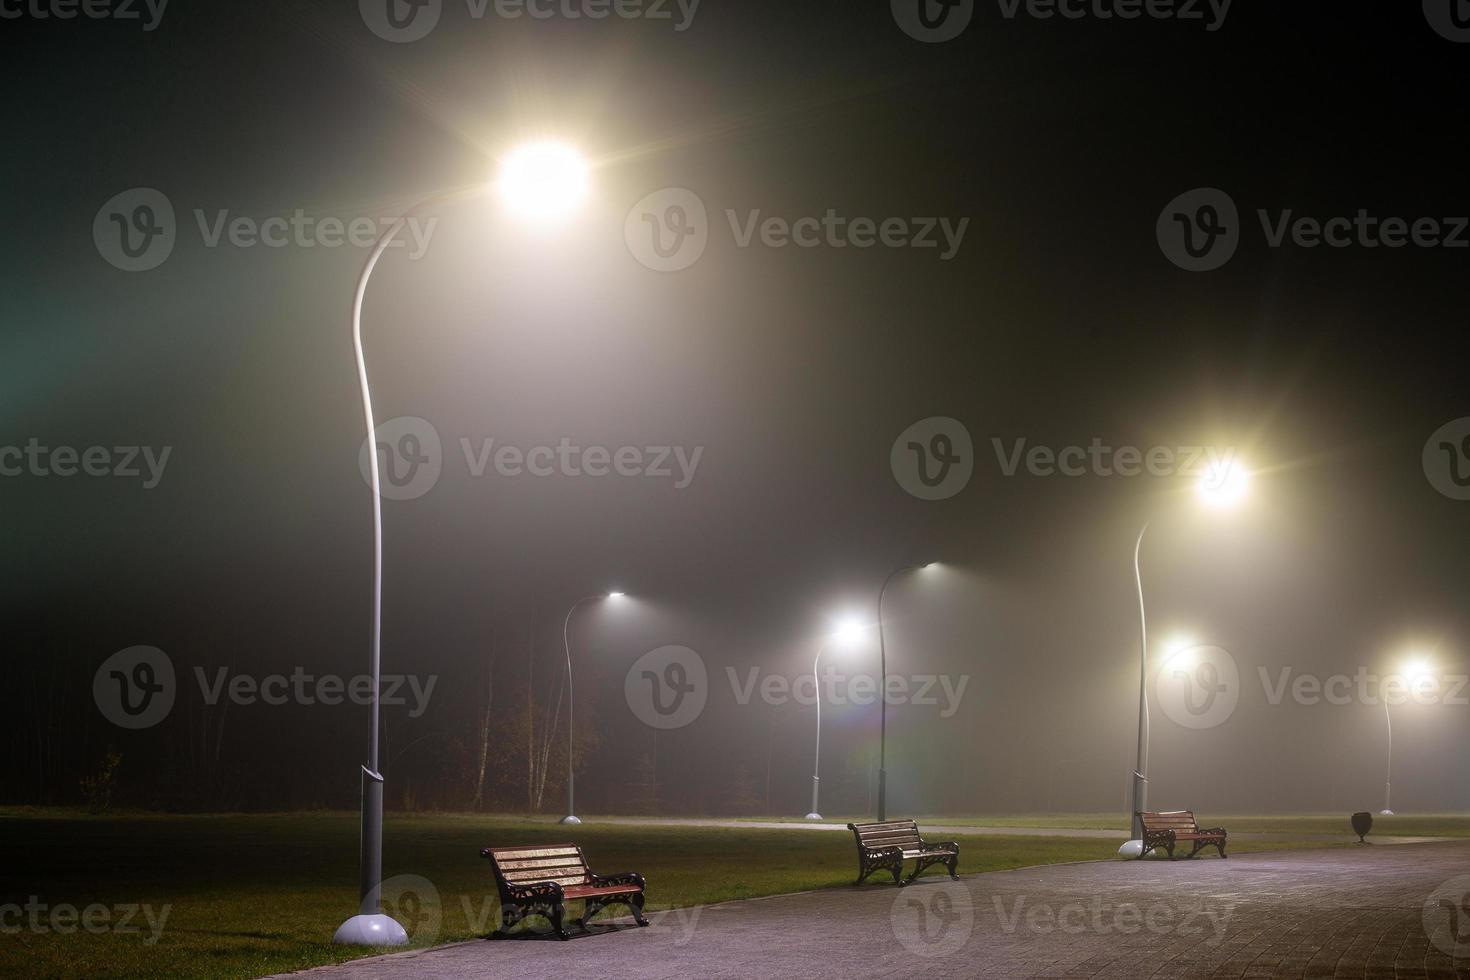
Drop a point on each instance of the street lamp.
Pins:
(571, 817)
(542, 182)
(1416, 671)
(1223, 485)
(883, 691)
(847, 632)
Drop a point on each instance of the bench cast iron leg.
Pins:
(588, 911)
(558, 912)
(509, 916)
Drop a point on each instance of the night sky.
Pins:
(1057, 320)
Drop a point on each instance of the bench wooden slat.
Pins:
(541, 869)
(534, 863)
(516, 853)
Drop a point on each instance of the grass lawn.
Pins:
(1406, 825)
(248, 895)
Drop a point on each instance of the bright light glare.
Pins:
(543, 182)
(1179, 652)
(848, 630)
(1418, 670)
(1178, 643)
(1224, 483)
(616, 595)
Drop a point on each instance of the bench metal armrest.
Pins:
(1220, 831)
(621, 878)
(891, 851)
(944, 845)
(536, 891)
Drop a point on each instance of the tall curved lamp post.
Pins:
(846, 632)
(1223, 485)
(571, 817)
(883, 691)
(543, 181)
(1140, 768)
(1387, 810)
(1416, 671)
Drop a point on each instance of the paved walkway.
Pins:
(1358, 912)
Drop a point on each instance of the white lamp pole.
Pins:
(883, 694)
(817, 753)
(1134, 846)
(1414, 672)
(370, 927)
(543, 180)
(1388, 775)
(571, 818)
(1223, 485)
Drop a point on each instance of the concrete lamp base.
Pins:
(370, 930)
(1131, 849)
(570, 820)
(1385, 813)
(814, 816)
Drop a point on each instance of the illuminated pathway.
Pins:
(1345, 912)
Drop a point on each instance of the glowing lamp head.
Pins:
(543, 182)
(1418, 670)
(1180, 652)
(1224, 484)
(849, 629)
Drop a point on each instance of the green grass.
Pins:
(1406, 825)
(249, 895)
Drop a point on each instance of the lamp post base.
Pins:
(1131, 849)
(1385, 813)
(814, 815)
(370, 930)
(570, 820)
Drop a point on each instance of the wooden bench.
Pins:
(1168, 830)
(885, 846)
(539, 879)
